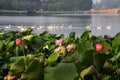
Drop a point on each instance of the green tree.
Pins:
(47, 5)
(5, 4)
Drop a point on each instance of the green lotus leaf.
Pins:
(16, 58)
(52, 59)
(86, 35)
(1, 44)
(106, 47)
(64, 71)
(116, 57)
(34, 70)
(9, 47)
(70, 38)
(116, 41)
(17, 67)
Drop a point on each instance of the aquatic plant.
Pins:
(28, 56)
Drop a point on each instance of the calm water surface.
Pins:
(100, 24)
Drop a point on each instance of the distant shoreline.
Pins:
(36, 13)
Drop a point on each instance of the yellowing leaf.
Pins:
(87, 71)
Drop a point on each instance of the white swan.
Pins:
(108, 27)
(88, 27)
(99, 27)
(8, 27)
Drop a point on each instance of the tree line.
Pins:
(107, 4)
(46, 5)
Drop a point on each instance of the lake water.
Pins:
(99, 24)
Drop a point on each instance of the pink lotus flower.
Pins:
(18, 41)
(59, 42)
(57, 50)
(70, 47)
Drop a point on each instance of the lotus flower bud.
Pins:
(99, 47)
(18, 41)
(29, 37)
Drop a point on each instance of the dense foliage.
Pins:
(107, 4)
(27, 56)
(46, 5)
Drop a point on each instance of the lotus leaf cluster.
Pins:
(45, 56)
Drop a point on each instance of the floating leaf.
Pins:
(64, 71)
